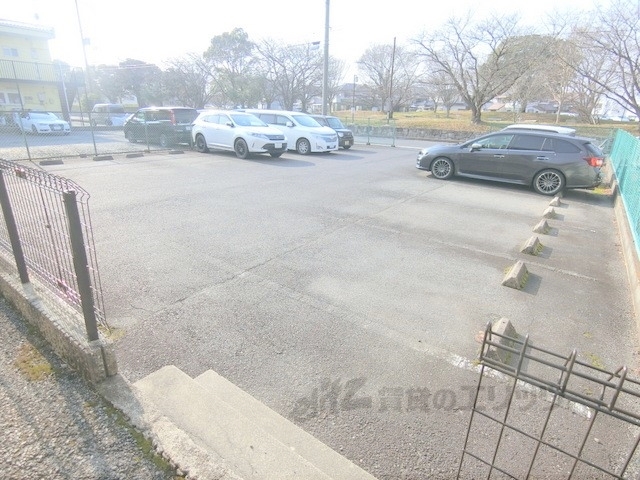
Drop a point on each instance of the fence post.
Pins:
(12, 229)
(81, 264)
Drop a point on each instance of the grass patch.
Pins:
(32, 364)
(461, 121)
(145, 445)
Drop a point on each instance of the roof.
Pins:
(12, 27)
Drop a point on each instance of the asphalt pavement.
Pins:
(577, 296)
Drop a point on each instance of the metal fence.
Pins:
(82, 140)
(563, 418)
(625, 158)
(46, 225)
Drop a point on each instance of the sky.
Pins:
(156, 32)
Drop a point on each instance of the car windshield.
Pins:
(118, 110)
(334, 122)
(43, 116)
(306, 121)
(247, 120)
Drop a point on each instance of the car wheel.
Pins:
(201, 144)
(164, 141)
(129, 136)
(241, 148)
(34, 130)
(276, 155)
(442, 168)
(108, 123)
(347, 147)
(93, 123)
(303, 146)
(548, 182)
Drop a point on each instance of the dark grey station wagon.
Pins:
(546, 161)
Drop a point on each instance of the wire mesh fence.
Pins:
(39, 135)
(563, 418)
(625, 158)
(46, 225)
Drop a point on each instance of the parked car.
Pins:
(41, 122)
(549, 162)
(162, 125)
(304, 134)
(345, 136)
(239, 132)
(109, 114)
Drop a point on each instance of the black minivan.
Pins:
(165, 126)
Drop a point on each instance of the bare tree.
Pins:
(482, 60)
(612, 35)
(189, 81)
(388, 71)
(294, 71)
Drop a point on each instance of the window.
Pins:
(268, 118)
(527, 142)
(14, 98)
(3, 99)
(495, 141)
(34, 53)
(559, 146)
(9, 51)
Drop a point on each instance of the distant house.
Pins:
(29, 80)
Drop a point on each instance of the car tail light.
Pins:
(173, 118)
(594, 161)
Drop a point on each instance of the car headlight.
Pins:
(259, 135)
(340, 134)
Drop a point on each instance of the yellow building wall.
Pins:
(35, 96)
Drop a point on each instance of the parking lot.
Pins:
(346, 290)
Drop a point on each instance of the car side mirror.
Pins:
(229, 124)
(475, 146)
(289, 123)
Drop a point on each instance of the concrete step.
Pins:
(304, 444)
(217, 428)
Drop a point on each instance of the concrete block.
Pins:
(549, 213)
(51, 162)
(516, 276)
(555, 202)
(532, 246)
(542, 227)
(506, 336)
(134, 155)
(99, 158)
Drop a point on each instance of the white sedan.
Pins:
(42, 122)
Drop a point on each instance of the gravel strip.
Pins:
(54, 425)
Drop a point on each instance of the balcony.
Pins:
(33, 72)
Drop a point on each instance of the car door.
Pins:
(525, 157)
(210, 130)
(225, 131)
(485, 156)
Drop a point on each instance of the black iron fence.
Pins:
(46, 225)
(564, 418)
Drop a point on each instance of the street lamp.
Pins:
(353, 103)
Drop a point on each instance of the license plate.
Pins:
(56, 127)
(347, 143)
(188, 128)
(278, 145)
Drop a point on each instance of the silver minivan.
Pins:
(109, 114)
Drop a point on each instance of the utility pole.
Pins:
(325, 73)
